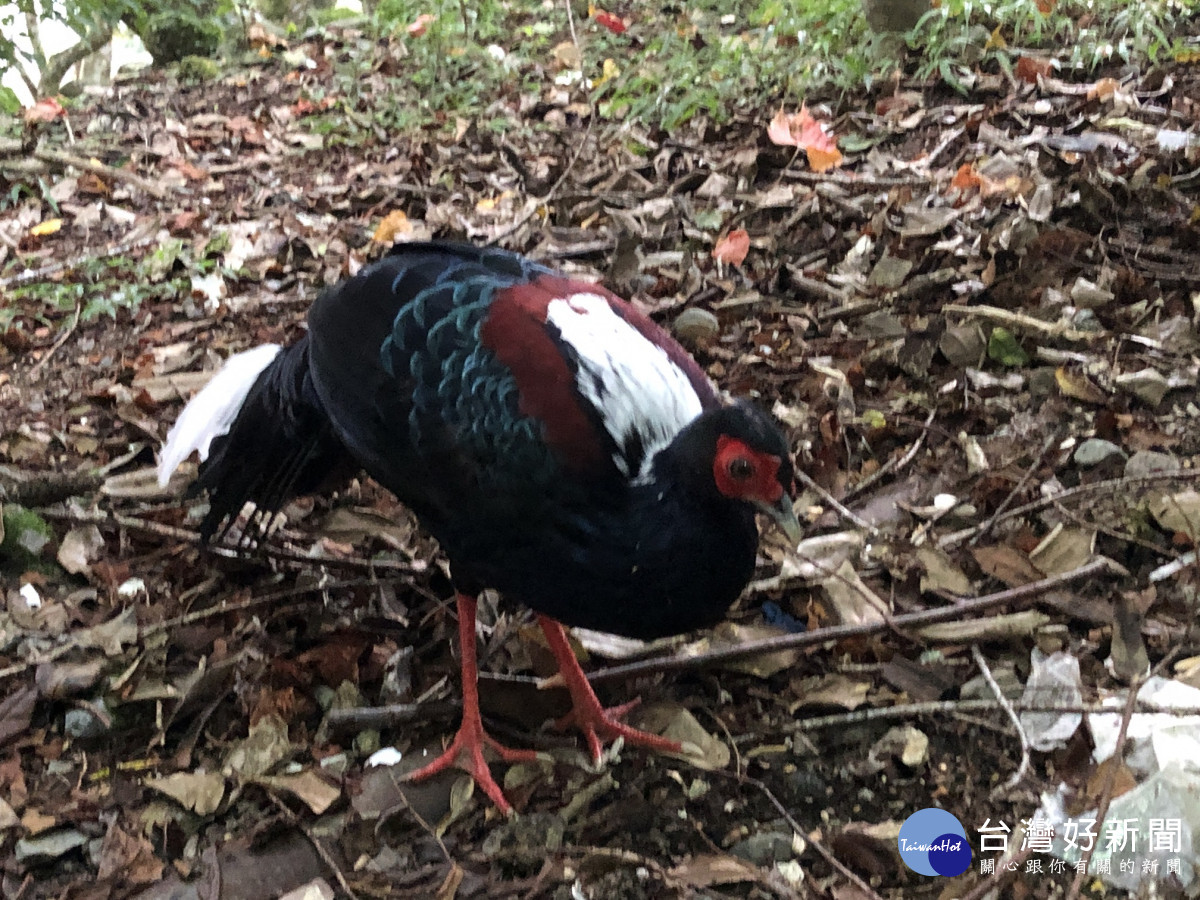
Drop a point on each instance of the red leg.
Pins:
(596, 722)
(466, 750)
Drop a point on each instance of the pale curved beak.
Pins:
(785, 516)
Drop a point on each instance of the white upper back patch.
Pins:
(643, 398)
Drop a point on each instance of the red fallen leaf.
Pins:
(732, 248)
(1045, 7)
(421, 24)
(803, 131)
(965, 177)
(305, 107)
(46, 110)
(615, 24)
(185, 168)
(1030, 69)
(184, 222)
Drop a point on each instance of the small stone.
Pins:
(49, 845)
(696, 326)
(963, 345)
(84, 723)
(1094, 451)
(889, 273)
(765, 848)
(1148, 385)
(1150, 462)
(1087, 295)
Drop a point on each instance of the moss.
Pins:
(196, 69)
(25, 536)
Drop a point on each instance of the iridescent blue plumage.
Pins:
(489, 394)
(561, 447)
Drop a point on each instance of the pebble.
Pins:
(1148, 462)
(765, 848)
(1094, 451)
(696, 326)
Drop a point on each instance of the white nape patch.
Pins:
(630, 380)
(211, 412)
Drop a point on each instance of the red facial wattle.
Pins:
(760, 483)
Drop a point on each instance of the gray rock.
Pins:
(765, 848)
(1149, 462)
(1094, 451)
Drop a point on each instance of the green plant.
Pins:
(711, 58)
(96, 287)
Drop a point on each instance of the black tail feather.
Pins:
(280, 446)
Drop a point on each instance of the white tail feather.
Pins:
(211, 412)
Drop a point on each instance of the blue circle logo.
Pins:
(933, 842)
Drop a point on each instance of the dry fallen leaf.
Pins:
(1029, 69)
(201, 792)
(672, 721)
(802, 130)
(708, 869)
(613, 23)
(1007, 564)
(733, 247)
(1077, 385)
(50, 226)
(421, 24)
(394, 223)
(46, 110)
(308, 786)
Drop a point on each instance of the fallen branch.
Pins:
(1111, 486)
(1022, 322)
(961, 610)
(62, 158)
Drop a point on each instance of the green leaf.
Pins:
(1004, 348)
(9, 104)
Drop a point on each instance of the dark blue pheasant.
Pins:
(560, 446)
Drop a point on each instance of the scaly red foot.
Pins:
(597, 723)
(466, 750)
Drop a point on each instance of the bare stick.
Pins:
(1007, 706)
(962, 610)
(1033, 466)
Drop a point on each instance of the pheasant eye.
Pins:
(740, 468)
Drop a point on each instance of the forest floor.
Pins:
(978, 324)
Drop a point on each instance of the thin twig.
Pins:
(1007, 868)
(842, 510)
(549, 195)
(816, 844)
(96, 167)
(895, 465)
(62, 339)
(1006, 705)
(1106, 794)
(1028, 473)
(1022, 322)
(571, 25)
(842, 632)
(381, 718)
(1110, 486)
(268, 550)
(956, 707)
(72, 262)
(322, 851)
(275, 598)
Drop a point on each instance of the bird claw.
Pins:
(466, 752)
(599, 724)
